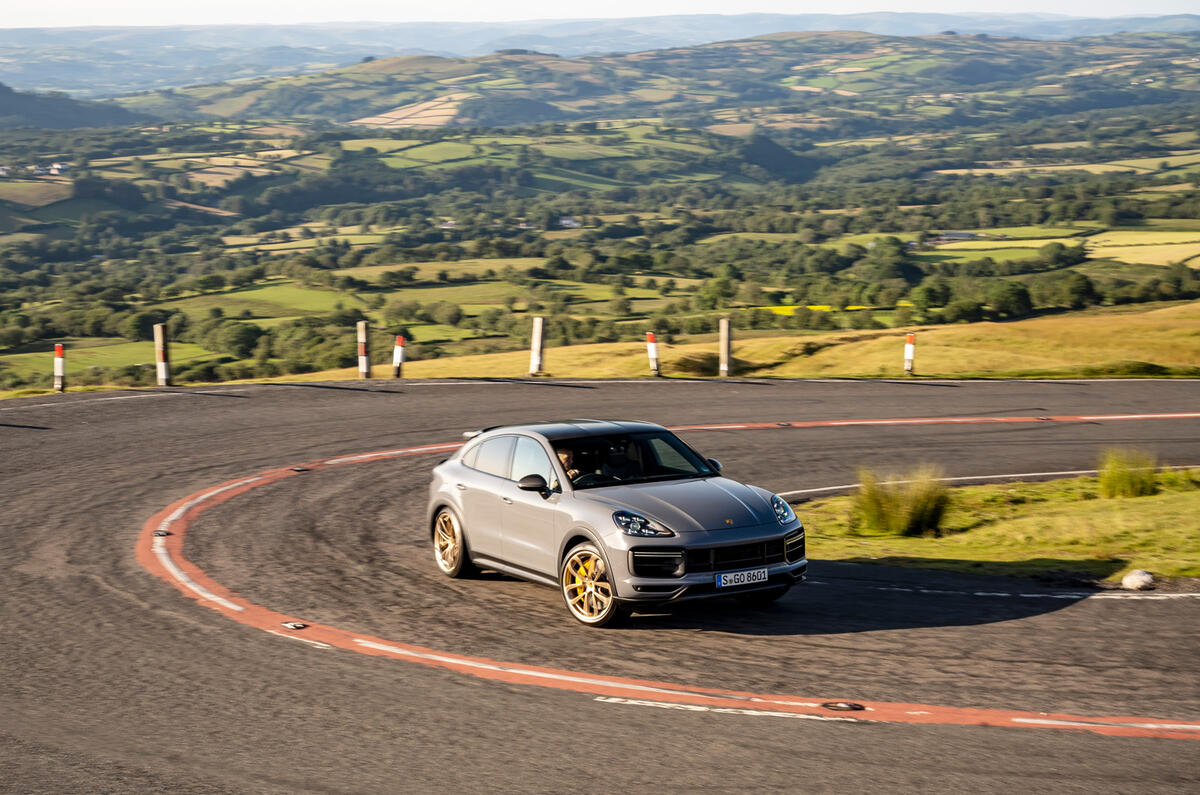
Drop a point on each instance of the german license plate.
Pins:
(733, 578)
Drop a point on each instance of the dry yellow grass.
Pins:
(974, 245)
(432, 113)
(1149, 255)
(1143, 237)
(1165, 336)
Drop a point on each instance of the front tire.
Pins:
(450, 546)
(587, 589)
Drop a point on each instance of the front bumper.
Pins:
(703, 585)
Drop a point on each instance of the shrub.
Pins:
(911, 506)
(1179, 479)
(1126, 472)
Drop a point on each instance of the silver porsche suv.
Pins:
(617, 515)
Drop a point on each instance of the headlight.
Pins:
(633, 524)
(783, 511)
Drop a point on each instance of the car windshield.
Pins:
(591, 461)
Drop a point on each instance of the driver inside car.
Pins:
(566, 457)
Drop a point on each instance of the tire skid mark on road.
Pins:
(163, 556)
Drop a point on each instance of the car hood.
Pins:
(689, 506)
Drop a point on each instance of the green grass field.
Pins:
(1024, 529)
(82, 353)
(275, 299)
(34, 193)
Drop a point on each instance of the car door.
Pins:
(531, 519)
(481, 487)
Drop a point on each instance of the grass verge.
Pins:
(1060, 530)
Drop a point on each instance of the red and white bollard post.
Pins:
(162, 355)
(60, 368)
(652, 352)
(910, 352)
(726, 352)
(398, 358)
(536, 346)
(364, 350)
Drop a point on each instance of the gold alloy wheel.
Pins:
(586, 587)
(447, 542)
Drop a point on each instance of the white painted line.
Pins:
(433, 448)
(757, 713)
(164, 556)
(316, 643)
(1189, 727)
(562, 677)
(1078, 595)
(66, 403)
(708, 427)
(1179, 415)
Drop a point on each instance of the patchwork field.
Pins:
(432, 113)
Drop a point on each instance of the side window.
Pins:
(531, 459)
(493, 456)
(669, 457)
(468, 458)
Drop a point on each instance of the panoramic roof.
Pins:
(574, 428)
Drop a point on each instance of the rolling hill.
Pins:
(803, 76)
(107, 61)
(21, 109)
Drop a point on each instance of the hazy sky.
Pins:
(45, 13)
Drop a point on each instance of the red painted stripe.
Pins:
(888, 712)
(58, 350)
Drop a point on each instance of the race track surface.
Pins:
(113, 680)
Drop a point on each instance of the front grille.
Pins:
(794, 547)
(735, 556)
(656, 562)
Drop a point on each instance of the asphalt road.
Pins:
(111, 680)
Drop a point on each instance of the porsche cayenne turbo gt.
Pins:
(616, 515)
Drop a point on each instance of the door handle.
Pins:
(460, 486)
(506, 500)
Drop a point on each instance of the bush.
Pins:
(1128, 473)
(909, 506)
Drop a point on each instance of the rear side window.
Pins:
(494, 455)
(468, 458)
(531, 459)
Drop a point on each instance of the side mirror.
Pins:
(715, 464)
(534, 483)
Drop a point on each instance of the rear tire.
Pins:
(450, 550)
